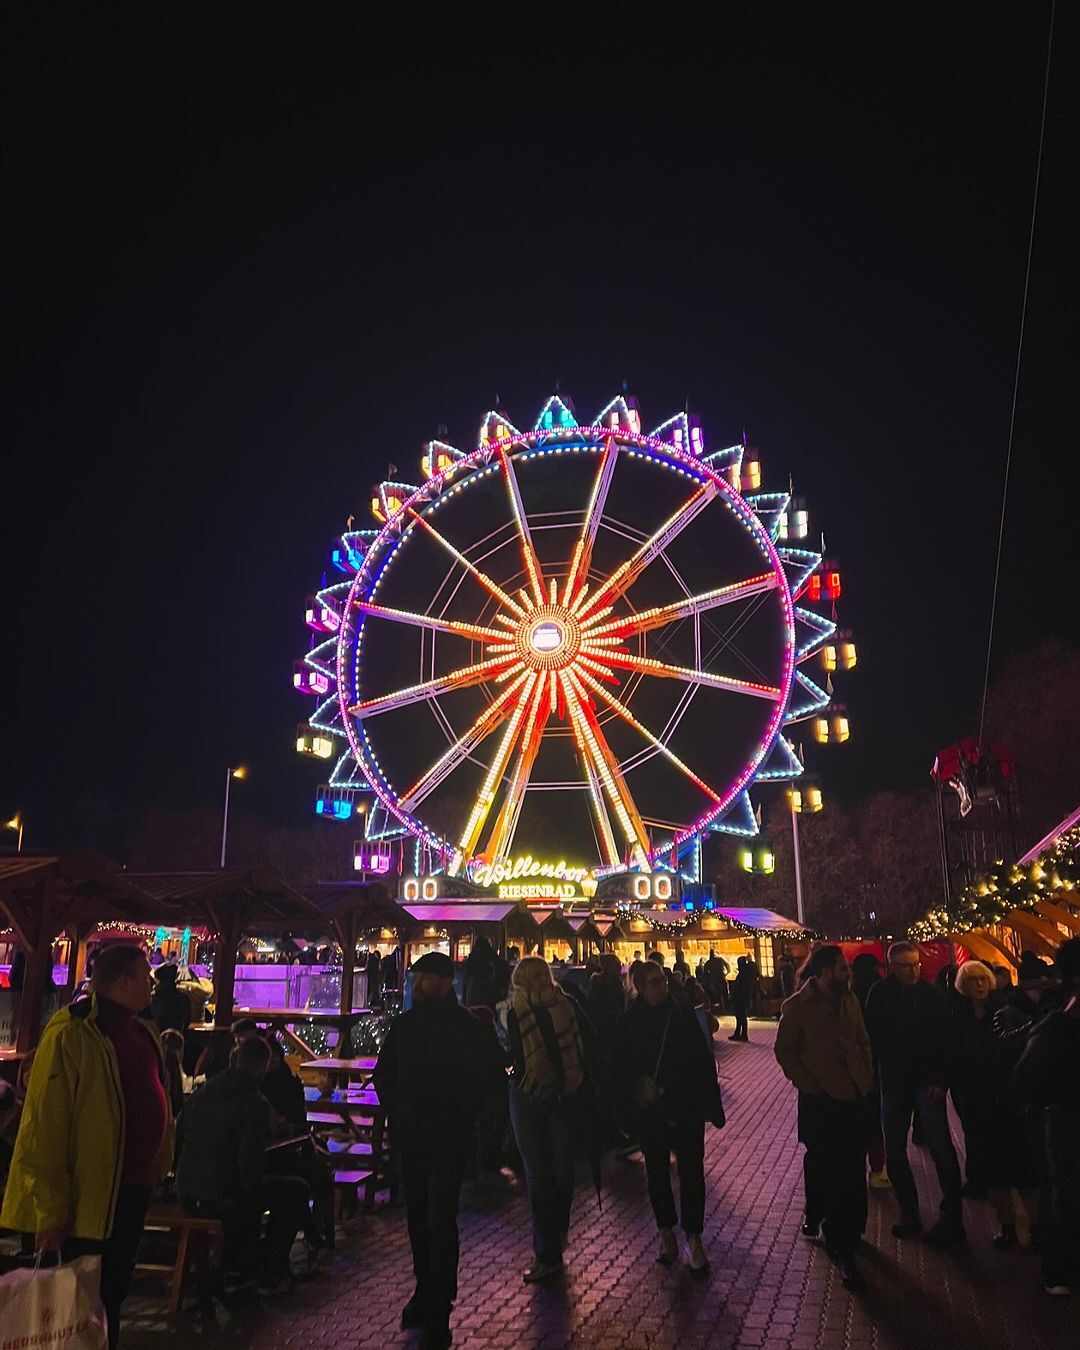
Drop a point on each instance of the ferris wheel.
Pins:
(580, 640)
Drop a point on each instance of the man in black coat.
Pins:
(170, 1008)
(436, 1068)
(911, 1032)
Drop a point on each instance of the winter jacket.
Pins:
(605, 1004)
(285, 1093)
(911, 1032)
(223, 1140)
(437, 1067)
(70, 1148)
(684, 1069)
(822, 1045)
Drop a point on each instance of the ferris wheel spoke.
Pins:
(628, 717)
(625, 575)
(443, 684)
(605, 834)
(485, 724)
(531, 737)
(594, 512)
(492, 587)
(528, 552)
(455, 626)
(485, 798)
(647, 619)
(607, 767)
(600, 660)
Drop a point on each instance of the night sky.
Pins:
(249, 264)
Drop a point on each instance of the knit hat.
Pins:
(434, 963)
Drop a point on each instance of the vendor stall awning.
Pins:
(761, 920)
(466, 912)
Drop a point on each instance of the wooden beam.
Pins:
(38, 974)
(1058, 914)
(986, 947)
(1044, 937)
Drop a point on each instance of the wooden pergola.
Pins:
(347, 909)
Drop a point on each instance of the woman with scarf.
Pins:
(549, 1075)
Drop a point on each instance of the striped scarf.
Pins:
(542, 1077)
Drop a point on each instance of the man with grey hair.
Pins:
(910, 1028)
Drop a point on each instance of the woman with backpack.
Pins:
(547, 1046)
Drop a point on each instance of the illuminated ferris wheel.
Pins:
(582, 641)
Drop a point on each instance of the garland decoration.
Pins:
(994, 894)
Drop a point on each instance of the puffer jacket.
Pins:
(70, 1148)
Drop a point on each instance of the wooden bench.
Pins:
(198, 1240)
(349, 1182)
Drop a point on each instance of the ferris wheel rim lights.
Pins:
(546, 633)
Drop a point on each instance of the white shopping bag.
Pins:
(58, 1306)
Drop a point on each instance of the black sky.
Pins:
(249, 263)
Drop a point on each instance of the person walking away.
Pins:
(911, 1032)
(487, 976)
(374, 972)
(716, 978)
(605, 1004)
(865, 973)
(170, 1007)
(664, 1081)
(742, 993)
(824, 1050)
(998, 1155)
(1047, 1080)
(437, 1066)
(548, 1058)
(221, 1171)
(96, 1134)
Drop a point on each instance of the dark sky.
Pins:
(249, 263)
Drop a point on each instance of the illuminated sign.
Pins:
(525, 868)
(539, 890)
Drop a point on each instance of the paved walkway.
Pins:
(769, 1287)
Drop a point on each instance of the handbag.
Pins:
(647, 1091)
(45, 1306)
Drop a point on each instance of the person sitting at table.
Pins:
(284, 1094)
(222, 1171)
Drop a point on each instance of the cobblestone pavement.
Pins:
(768, 1287)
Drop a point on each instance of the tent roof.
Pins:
(1073, 818)
(761, 920)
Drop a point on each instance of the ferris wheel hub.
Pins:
(549, 638)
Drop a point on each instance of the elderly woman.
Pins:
(994, 1131)
(547, 1045)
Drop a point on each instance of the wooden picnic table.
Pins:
(351, 1110)
(342, 1071)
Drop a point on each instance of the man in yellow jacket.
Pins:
(823, 1048)
(96, 1134)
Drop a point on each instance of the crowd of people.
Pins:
(531, 1068)
(875, 1060)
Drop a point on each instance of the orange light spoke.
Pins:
(625, 575)
(594, 512)
(647, 666)
(607, 766)
(532, 567)
(627, 716)
(447, 762)
(486, 796)
(647, 619)
(455, 679)
(482, 577)
(502, 834)
(469, 630)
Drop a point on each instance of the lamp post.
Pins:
(16, 823)
(238, 772)
(798, 860)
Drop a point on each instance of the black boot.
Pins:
(413, 1313)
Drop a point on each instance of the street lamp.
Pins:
(238, 772)
(16, 823)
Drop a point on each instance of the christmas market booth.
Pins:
(1030, 905)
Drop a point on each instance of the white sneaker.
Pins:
(1057, 1290)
